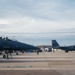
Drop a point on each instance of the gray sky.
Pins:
(38, 21)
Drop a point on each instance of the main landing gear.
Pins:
(4, 56)
(66, 51)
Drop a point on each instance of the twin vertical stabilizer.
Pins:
(54, 44)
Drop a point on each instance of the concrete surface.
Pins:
(58, 63)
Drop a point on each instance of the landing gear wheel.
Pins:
(22, 51)
(4, 56)
(0, 53)
(66, 51)
(16, 53)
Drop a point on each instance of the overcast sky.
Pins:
(38, 21)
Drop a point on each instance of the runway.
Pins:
(59, 63)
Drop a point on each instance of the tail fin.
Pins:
(54, 44)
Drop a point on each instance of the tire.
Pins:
(4, 56)
(66, 51)
(16, 53)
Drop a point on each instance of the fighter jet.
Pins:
(8, 46)
(55, 45)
